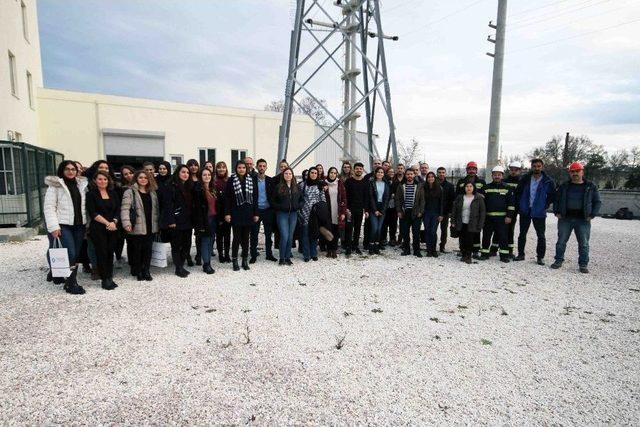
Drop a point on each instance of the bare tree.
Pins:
(617, 166)
(408, 152)
(307, 106)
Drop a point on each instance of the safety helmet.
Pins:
(516, 165)
(576, 166)
(472, 165)
(498, 169)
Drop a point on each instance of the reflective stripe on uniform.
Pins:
(496, 213)
(511, 208)
(484, 251)
(504, 251)
(497, 190)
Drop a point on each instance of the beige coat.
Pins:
(140, 228)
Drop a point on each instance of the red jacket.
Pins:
(342, 203)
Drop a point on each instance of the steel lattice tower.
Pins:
(355, 21)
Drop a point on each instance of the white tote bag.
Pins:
(160, 254)
(59, 260)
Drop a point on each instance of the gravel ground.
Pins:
(383, 340)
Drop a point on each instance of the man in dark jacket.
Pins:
(265, 213)
(357, 204)
(448, 195)
(498, 199)
(577, 203)
(534, 195)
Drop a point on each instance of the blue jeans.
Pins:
(71, 237)
(206, 242)
(286, 225)
(582, 229)
(430, 221)
(376, 227)
(309, 246)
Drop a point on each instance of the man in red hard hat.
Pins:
(479, 184)
(577, 203)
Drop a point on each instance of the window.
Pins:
(12, 74)
(25, 21)
(237, 155)
(176, 159)
(7, 172)
(30, 89)
(207, 154)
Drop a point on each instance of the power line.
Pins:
(575, 36)
(428, 24)
(524, 12)
(555, 15)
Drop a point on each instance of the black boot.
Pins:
(71, 284)
(140, 277)
(221, 258)
(181, 272)
(245, 264)
(206, 267)
(236, 267)
(147, 275)
(107, 284)
(227, 258)
(189, 261)
(270, 257)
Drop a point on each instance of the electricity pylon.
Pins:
(350, 25)
(493, 145)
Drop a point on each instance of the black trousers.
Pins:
(540, 226)
(122, 237)
(495, 227)
(367, 233)
(333, 244)
(104, 242)
(407, 222)
(240, 238)
(180, 245)
(140, 252)
(354, 227)
(444, 231)
(267, 218)
(466, 240)
(390, 224)
(223, 238)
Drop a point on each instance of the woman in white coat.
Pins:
(65, 217)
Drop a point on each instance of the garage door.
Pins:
(133, 143)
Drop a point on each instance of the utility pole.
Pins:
(344, 24)
(493, 146)
(565, 152)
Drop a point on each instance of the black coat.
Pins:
(373, 197)
(175, 207)
(289, 199)
(448, 196)
(240, 215)
(200, 211)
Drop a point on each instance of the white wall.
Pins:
(15, 112)
(72, 123)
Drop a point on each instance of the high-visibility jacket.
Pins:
(512, 182)
(499, 200)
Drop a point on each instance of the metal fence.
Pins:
(22, 171)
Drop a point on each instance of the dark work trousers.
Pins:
(367, 233)
(180, 244)
(495, 227)
(240, 238)
(444, 231)
(390, 225)
(466, 241)
(540, 226)
(223, 238)
(409, 223)
(353, 228)
(140, 252)
(104, 242)
(266, 219)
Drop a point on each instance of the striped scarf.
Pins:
(247, 195)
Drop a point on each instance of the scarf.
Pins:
(247, 195)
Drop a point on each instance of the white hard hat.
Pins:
(497, 169)
(515, 164)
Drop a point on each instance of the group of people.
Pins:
(92, 214)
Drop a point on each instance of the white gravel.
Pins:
(425, 342)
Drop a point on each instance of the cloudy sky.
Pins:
(571, 65)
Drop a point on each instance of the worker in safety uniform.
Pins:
(499, 201)
(512, 181)
(479, 184)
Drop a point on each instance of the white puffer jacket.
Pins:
(58, 206)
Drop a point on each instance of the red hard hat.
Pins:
(472, 165)
(576, 166)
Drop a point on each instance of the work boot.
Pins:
(206, 267)
(236, 267)
(556, 265)
(505, 259)
(484, 257)
(584, 269)
(417, 254)
(429, 254)
(434, 253)
(467, 259)
(493, 252)
(476, 255)
(245, 264)
(520, 257)
(71, 284)
(358, 251)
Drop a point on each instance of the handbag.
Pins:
(59, 260)
(453, 232)
(133, 213)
